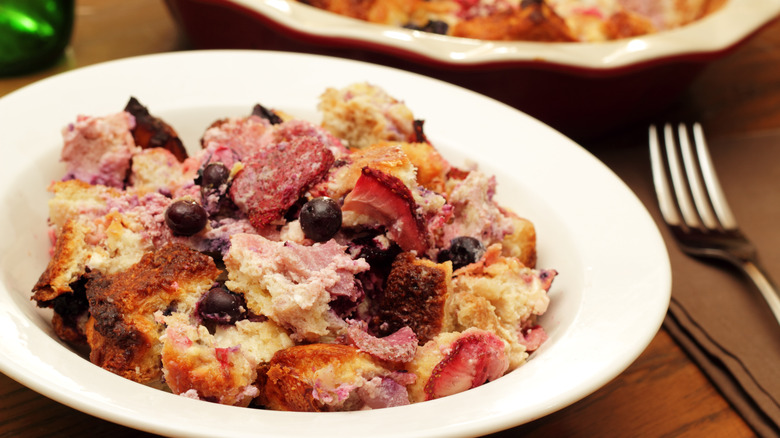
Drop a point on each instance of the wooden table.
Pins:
(662, 394)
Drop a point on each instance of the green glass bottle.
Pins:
(33, 33)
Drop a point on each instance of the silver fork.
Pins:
(698, 215)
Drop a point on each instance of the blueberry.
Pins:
(185, 217)
(320, 219)
(221, 305)
(463, 251)
(214, 175)
(433, 26)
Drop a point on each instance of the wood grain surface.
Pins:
(661, 394)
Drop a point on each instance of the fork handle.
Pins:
(765, 285)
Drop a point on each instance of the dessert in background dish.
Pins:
(527, 20)
(582, 89)
(289, 265)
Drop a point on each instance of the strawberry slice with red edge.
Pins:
(388, 201)
(473, 359)
(273, 179)
(532, 337)
(546, 276)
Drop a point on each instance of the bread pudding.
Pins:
(287, 264)
(527, 20)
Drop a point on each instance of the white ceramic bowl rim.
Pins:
(721, 30)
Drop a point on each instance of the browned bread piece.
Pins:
(363, 114)
(431, 167)
(74, 214)
(70, 332)
(158, 170)
(521, 243)
(414, 295)
(386, 157)
(153, 132)
(70, 316)
(66, 265)
(108, 244)
(122, 330)
(534, 20)
(625, 25)
(74, 198)
(220, 365)
(71, 209)
(307, 377)
(378, 11)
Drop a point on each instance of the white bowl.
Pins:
(607, 303)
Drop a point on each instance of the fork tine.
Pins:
(700, 198)
(678, 181)
(718, 199)
(661, 182)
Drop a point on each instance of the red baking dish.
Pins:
(581, 89)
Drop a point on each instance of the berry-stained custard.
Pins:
(289, 265)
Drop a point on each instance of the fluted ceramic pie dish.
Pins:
(583, 89)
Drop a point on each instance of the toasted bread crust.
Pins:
(65, 266)
(431, 167)
(625, 25)
(533, 21)
(394, 11)
(521, 243)
(153, 132)
(363, 114)
(386, 157)
(414, 296)
(121, 331)
(292, 374)
(74, 198)
(67, 331)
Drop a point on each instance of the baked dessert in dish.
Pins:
(287, 264)
(527, 20)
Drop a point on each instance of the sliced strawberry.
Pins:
(274, 178)
(532, 338)
(473, 359)
(388, 201)
(397, 347)
(302, 128)
(546, 276)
